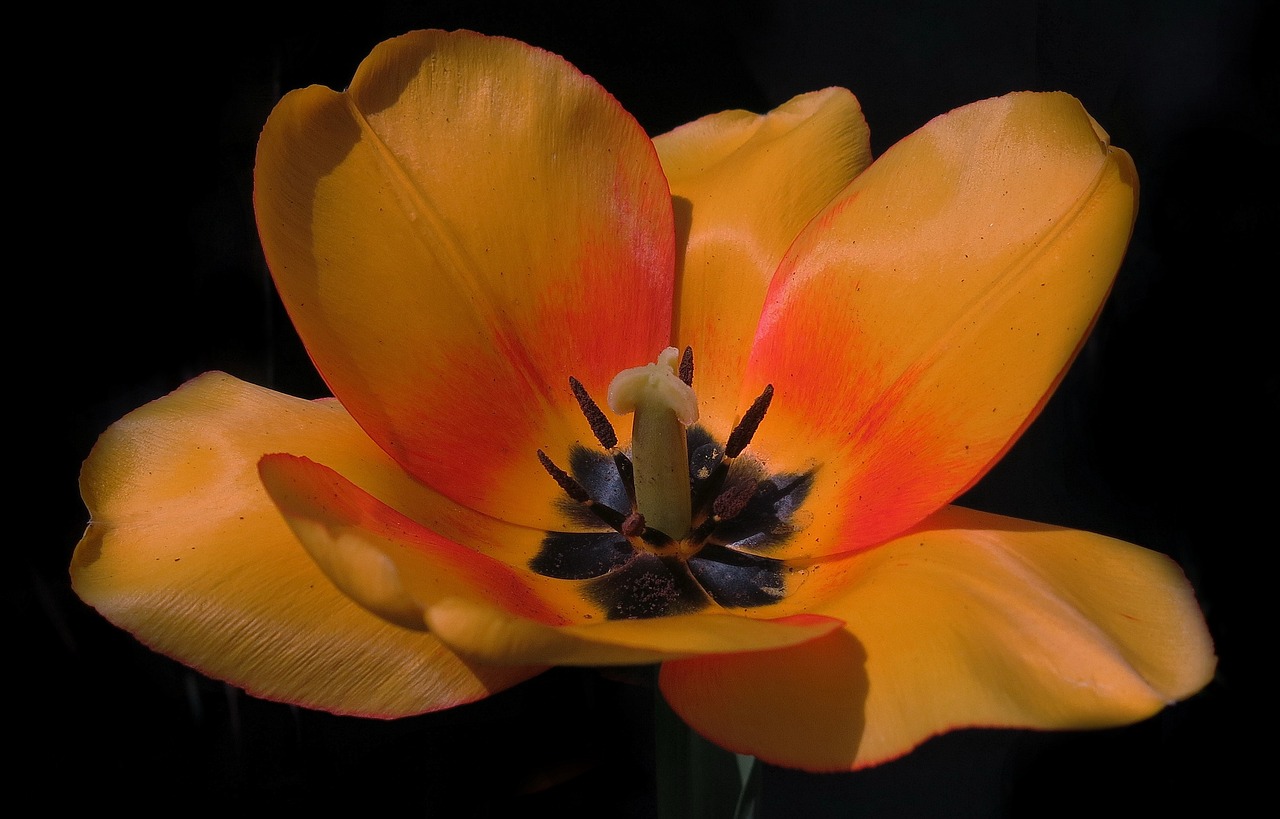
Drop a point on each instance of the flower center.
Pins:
(688, 517)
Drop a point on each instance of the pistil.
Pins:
(664, 405)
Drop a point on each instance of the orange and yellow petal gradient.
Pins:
(479, 606)
(186, 550)
(973, 620)
(920, 323)
(470, 224)
(744, 186)
(474, 222)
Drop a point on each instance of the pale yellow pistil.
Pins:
(664, 406)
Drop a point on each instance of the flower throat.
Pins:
(691, 504)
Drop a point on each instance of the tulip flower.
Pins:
(704, 401)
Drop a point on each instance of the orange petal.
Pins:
(357, 540)
(973, 620)
(745, 185)
(186, 551)
(921, 322)
(473, 222)
(483, 609)
(489, 635)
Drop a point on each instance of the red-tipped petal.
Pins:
(921, 323)
(467, 226)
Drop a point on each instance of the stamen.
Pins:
(633, 526)
(575, 490)
(746, 428)
(571, 487)
(600, 426)
(686, 366)
(604, 432)
(727, 505)
(732, 501)
(738, 440)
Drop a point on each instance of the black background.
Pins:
(137, 246)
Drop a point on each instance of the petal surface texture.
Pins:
(481, 607)
(186, 551)
(972, 620)
(919, 324)
(470, 224)
(744, 186)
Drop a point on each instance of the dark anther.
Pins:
(573, 489)
(633, 526)
(738, 440)
(732, 501)
(746, 428)
(726, 506)
(600, 426)
(603, 430)
(686, 366)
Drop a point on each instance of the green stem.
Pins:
(697, 779)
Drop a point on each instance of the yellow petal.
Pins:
(745, 185)
(490, 635)
(186, 551)
(371, 551)
(469, 225)
(974, 620)
(483, 609)
(920, 323)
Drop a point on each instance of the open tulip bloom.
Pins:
(702, 401)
